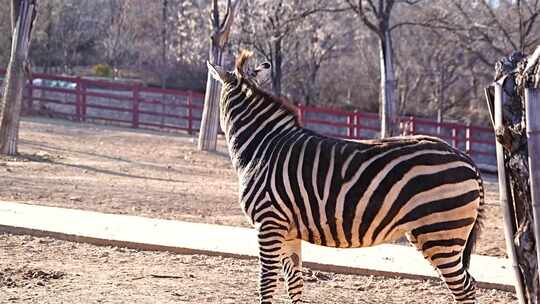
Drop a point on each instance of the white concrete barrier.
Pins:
(184, 237)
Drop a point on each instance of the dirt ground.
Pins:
(146, 173)
(44, 270)
(160, 175)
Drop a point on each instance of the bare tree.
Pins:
(164, 22)
(219, 38)
(188, 22)
(475, 33)
(77, 28)
(438, 78)
(271, 28)
(320, 41)
(23, 14)
(5, 27)
(486, 30)
(43, 52)
(317, 52)
(376, 16)
(118, 42)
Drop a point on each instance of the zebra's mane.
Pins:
(240, 64)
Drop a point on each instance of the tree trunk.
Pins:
(440, 102)
(164, 76)
(210, 117)
(23, 15)
(388, 85)
(276, 67)
(312, 94)
(514, 139)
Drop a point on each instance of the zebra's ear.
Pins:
(262, 72)
(217, 72)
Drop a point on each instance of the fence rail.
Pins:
(136, 106)
(132, 105)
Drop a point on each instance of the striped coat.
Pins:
(298, 185)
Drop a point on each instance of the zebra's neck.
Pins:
(252, 122)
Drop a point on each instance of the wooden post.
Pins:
(508, 216)
(532, 111)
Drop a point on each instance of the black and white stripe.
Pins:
(298, 185)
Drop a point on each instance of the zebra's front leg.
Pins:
(271, 243)
(292, 268)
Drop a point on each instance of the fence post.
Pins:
(135, 109)
(78, 101)
(468, 140)
(190, 112)
(84, 101)
(455, 139)
(357, 125)
(350, 125)
(301, 114)
(412, 125)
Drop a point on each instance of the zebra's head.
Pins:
(244, 81)
(256, 76)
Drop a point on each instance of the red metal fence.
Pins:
(476, 141)
(131, 105)
(137, 106)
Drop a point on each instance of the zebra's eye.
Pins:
(265, 65)
(262, 66)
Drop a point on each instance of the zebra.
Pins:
(295, 184)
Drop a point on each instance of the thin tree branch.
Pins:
(499, 25)
(359, 10)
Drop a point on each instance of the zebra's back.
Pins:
(354, 194)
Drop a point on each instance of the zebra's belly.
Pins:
(314, 236)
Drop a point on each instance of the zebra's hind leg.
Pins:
(446, 253)
(292, 268)
(271, 243)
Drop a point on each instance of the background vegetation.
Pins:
(444, 51)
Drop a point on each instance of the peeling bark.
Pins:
(514, 139)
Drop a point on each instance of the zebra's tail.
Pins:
(478, 224)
